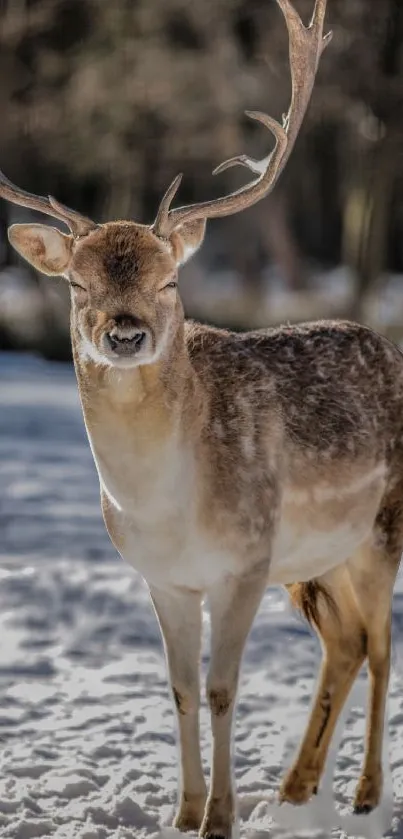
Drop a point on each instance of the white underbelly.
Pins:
(322, 530)
(168, 560)
(314, 535)
(196, 564)
(303, 556)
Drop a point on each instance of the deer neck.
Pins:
(137, 419)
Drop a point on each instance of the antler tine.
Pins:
(306, 45)
(163, 210)
(78, 224)
(258, 166)
(318, 17)
(169, 219)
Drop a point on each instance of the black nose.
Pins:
(125, 343)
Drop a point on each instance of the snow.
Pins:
(87, 729)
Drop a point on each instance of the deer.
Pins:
(230, 462)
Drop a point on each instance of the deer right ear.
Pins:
(186, 240)
(46, 248)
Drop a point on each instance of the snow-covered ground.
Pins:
(86, 725)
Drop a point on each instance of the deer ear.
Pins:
(46, 248)
(186, 239)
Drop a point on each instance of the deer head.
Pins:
(123, 275)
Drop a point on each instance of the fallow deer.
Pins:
(231, 462)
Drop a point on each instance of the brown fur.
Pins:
(219, 701)
(302, 422)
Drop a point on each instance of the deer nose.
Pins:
(125, 340)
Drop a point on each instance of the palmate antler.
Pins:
(306, 45)
(78, 224)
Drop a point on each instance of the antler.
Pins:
(306, 47)
(79, 225)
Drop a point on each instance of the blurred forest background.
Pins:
(102, 103)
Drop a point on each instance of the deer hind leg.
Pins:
(233, 606)
(359, 626)
(180, 618)
(332, 610)
(373, 571)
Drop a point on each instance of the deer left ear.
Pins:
(46, 248)
(186, 239)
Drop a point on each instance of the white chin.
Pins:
(89, 352)
(126, 363)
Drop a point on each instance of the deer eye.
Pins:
(76, 285)
(171, 284)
